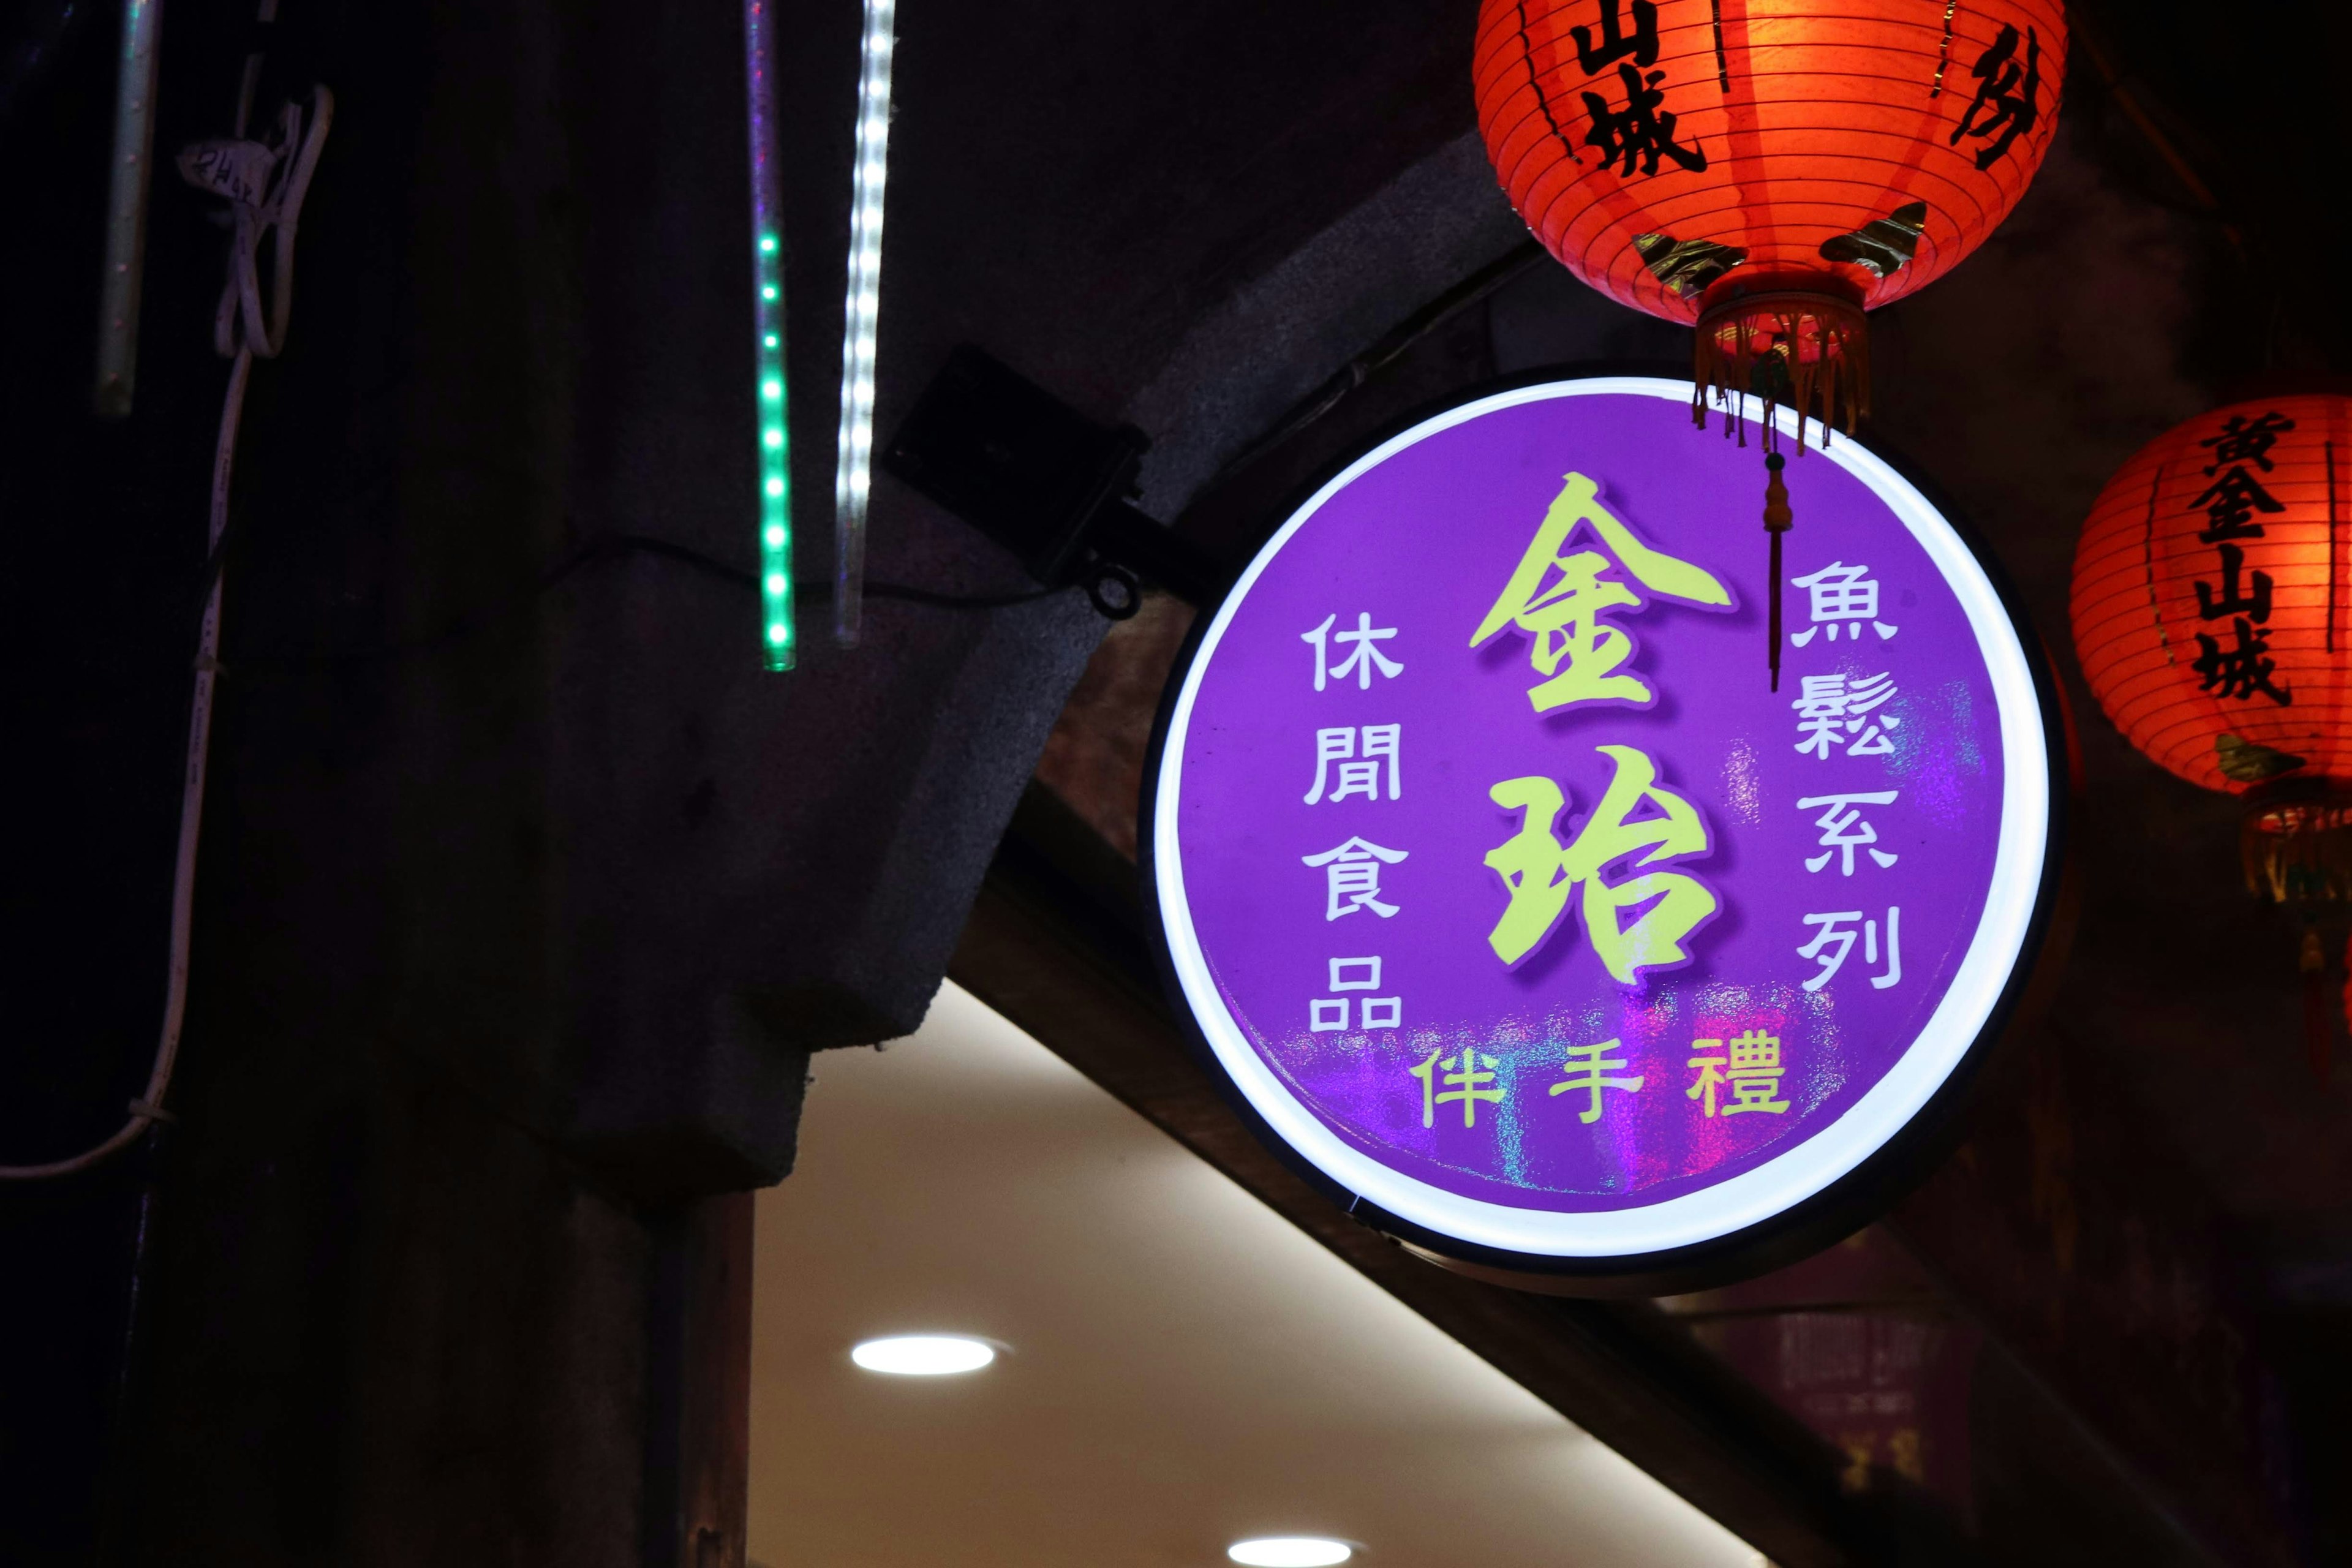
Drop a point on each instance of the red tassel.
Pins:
(1778, 519)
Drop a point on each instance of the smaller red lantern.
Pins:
(2212, 611)
(1767, 171)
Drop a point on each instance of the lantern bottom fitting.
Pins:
(2297, 849)
(1798, 343)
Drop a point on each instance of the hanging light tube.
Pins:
(777, 630)
(852, 474)
(126, 209)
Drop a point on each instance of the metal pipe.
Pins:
(126, 221)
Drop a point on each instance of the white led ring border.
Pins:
(1754, 1196)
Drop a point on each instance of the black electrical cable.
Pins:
(1344, 381)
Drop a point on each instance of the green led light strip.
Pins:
(776, 464)
(777, 634)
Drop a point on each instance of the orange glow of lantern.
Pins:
(2212, 611)
(1767, 170)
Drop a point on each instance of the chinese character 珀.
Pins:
(1540, 871)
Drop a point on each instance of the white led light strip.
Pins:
(852, 476)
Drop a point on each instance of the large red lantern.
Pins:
(1767, 169)
(2212, 611)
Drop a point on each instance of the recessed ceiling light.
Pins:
(931, 1355)
(1289, 1551)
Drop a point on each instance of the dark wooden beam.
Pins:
(1055, 943)
(699, 1366)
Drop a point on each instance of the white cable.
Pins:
(265, 186)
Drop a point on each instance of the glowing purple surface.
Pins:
(1424, 542)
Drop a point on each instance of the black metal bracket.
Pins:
(1041, 479)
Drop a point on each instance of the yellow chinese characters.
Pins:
(1465, 1076)
(1753, 1076)
(1588, 1071)
(1558, 597)
(1540, 871)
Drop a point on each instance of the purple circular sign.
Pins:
(1509, 894)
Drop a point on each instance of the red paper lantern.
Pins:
(2212, 611)
(2212, 601)
(1767, 169)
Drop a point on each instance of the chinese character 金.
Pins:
(1642, 130)
(1840, 818)
(2229, 503)
(1588, 1068)
(2239, 672)
(1464, 1084)
(1615, 45)
(2008, 95)
(1843, 597)
(1831, 712)
(1361, 663)
(2244, 441)
(1558, 597)
(1832, 940)
(1361, 775)
(1352, 876)
(1540, 871)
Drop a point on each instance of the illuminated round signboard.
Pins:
(1517, 904)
